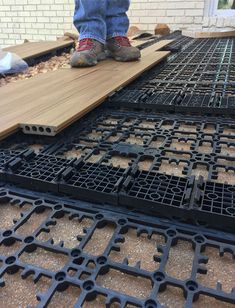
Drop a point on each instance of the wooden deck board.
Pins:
(35, 49)
(57, 99)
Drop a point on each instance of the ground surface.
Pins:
(21, 293)
(53, 64)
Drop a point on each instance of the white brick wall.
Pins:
(177, 13)
(34, 20)
(46, 19)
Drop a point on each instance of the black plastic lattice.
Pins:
(157, 191)
(19, 247)
(103, 162)
(198, 79)
(215, 198)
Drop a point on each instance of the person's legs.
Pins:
(117, 22)
(90, 21)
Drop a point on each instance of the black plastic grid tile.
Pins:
(198, 79)
(176, 139)
(217, 199)
(94, 182)
(6, 156)
(41, 172)
(179, 43)
(22, 142)
(77, 258)
(155, 192)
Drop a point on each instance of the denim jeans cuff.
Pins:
(92, 36)
(116, 34)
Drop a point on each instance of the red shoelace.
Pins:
(85, 44)
(123, 41)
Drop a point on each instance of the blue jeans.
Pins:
(101, 19)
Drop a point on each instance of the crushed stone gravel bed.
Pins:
(52, 64)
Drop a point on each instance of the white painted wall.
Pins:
(46, 19)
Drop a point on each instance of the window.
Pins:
(220, 8)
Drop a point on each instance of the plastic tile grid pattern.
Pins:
(53, 270)
(201, 76)
(122, 151)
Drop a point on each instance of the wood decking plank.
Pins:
(35, 49)
(58, 98)
(75, 104)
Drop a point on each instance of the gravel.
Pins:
(53, 64)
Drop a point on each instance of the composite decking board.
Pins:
(26, 99)
(138, 43)
(74, 104)
(31, 101)
(34, 49)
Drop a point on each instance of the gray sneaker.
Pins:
(120, 49)
(88, 53)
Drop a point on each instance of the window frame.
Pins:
(211, 10)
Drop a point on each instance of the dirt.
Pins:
(209, 129)
(138, 249)
(119, 161)
(145, 165)
(228, 150)
(74, 153)
(20, 292)
(35, 220)
(172, 168)
(157, 142)
(36, 148)
(94, 158)
(188, 128)
(225, 176)
(45, 259)
(181, 145)
(11, 212)
(99, 240)
(205, 148)
(200, 170)
(114, 138)
(132, 139)
(66, 230)
(148, 124)
(52, 64)
(130, 285)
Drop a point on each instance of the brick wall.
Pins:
(47, 19)
(176, 13)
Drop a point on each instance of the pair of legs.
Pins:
(101, 19)
(100, 23)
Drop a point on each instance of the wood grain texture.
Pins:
(34, 49)
(56, 99)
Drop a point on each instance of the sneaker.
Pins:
(120, 49)
(88, 53)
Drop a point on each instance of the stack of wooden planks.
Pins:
(47, 103)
